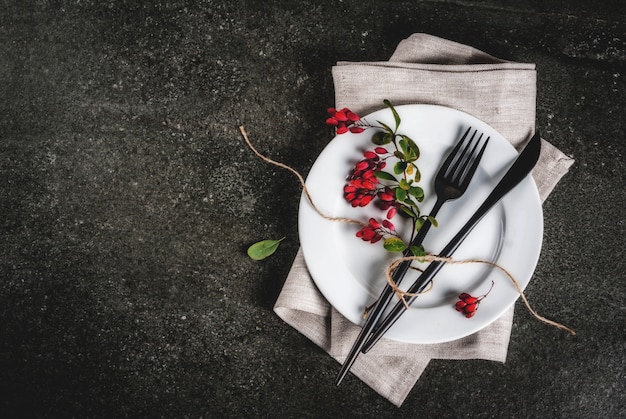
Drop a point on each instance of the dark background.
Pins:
(128, 199)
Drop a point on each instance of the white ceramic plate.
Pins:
(350, 272)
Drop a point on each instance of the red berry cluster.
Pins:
(375, 230)
(362, 183)
(388, 201)
(344, 120)
(468, 304)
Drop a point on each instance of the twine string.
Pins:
(434, 258)
(401, 294)
(302, 182)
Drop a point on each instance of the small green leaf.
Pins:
(433, 221)
(396, 117)
(419, 222)
(408, 211)
(264, 248)
(403, 145)
(399, 167)
(399, 155)
(394, 244)
(418, 175)
(412, 146)
(417, 192)
(400, 194)
(404, 184)
(381, 138)
(385, 176)
(418, 250)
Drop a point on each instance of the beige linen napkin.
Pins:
(423, 69)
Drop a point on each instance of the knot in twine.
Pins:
(390, 269)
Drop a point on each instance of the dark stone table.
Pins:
(128, 199)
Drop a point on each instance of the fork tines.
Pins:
(465, 162)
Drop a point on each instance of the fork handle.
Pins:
(424, 279)
(385, 297)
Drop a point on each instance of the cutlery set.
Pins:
(451, 182)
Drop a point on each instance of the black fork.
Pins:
(451, 182)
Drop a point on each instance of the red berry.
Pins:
(351, 115)
(368, 233)
(468, 304)
(471, 307)
(470, 300)
(362, 165)
(369, 174)
(388, 224)
(366, 200)
(341, 116)
(367, 184)
(374, 223)
(342, 129)
(385, 196)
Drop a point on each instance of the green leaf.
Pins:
(400, 194)
(404, 146)
(418, 175)
(408, 211)
(433, 221)
(418, 250)
(415, 150)
(394, 244)
(396, 117)
(399, 155)
(264, 248)
(385, 176)
(399, 167)
(382, 138)
(404, 184)
(417, 192)
(419, 222)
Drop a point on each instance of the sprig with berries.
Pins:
(396, 191)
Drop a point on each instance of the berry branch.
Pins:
(395, 191)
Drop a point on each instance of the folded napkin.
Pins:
(423, 69)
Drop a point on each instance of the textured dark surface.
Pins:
(128, 199)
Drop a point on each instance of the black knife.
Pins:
(516, 173)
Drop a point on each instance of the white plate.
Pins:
(350, 272)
